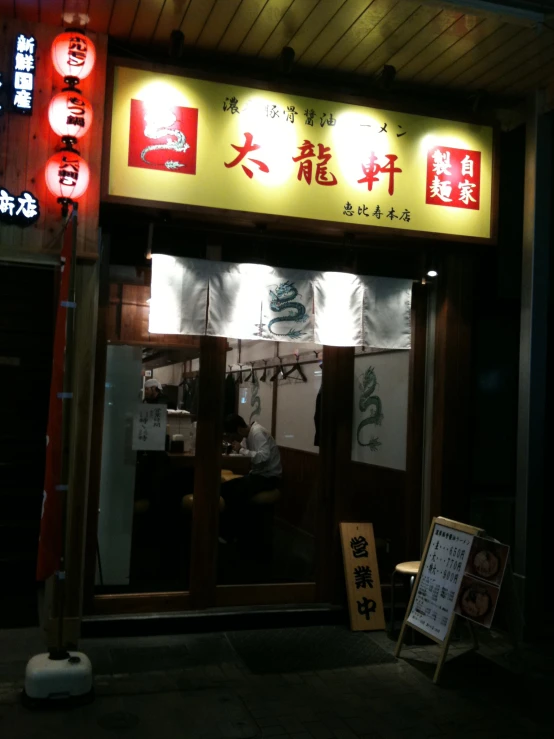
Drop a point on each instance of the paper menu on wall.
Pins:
(440, 581)
(149, 427)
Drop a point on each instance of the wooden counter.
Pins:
(237, 463)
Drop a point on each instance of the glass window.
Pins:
(271, 463)
(147, 469)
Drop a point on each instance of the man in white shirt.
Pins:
(250, 440)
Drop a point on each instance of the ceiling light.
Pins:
(286, 59)
(176, 44)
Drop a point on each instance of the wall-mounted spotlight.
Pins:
(176, 44)
(431, 266)
(286, 59)
(387, 76)
(148, 252)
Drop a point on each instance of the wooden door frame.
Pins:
(335, 468)
(450, 394)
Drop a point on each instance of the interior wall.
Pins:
(379, 495)
(256, 401)
(380, 408)
(296, 402)
(172, 374)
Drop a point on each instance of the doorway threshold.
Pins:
(231, 618)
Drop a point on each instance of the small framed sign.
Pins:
(460, 574)
(23, 80)
(365, 602)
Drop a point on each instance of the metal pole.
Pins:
(533, 359)
(66, 425)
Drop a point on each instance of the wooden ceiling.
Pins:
(431, 44)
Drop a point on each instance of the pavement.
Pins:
(210, 686)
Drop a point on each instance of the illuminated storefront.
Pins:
(184, 141)
(325, 346)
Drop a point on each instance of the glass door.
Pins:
(270, 466)
(147, 470)
(187, 526)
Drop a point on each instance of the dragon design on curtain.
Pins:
(255, 400)
(369, 400)
(283, 298)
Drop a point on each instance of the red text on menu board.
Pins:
(453, 177)
(163, 138)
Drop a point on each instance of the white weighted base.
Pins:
(58, 681)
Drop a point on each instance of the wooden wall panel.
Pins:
(289, 24)
(100, 11)
(170, 18)
(221, 16)
(422, 40)
(345, 16)
(270, 16)
(431, 51)
(355, 35)
(378, 495)
(298, 504)
(51, 12)
(240, 24)
(198, 13)
(463, 45)
(144, 21)
(424, 17)
(127, 319)
(26, 143)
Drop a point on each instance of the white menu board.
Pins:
(440, 580)
(149, 427)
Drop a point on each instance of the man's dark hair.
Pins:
(233, 423)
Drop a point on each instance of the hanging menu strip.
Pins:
(439, 584)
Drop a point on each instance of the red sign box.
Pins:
(163, 138)
(453, 177)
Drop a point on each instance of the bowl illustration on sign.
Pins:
(486, 564)
(475, 602)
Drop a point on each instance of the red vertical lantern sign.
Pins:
(67, 176)
(50, 546)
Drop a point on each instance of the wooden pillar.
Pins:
(207, 471)
(335, 452)
(416, 411)
(450, 492)
(97, 423)
(86, 288)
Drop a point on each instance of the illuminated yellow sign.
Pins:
(187, 141)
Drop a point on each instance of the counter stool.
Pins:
(266, 497)
(142, 505)
(259, 523)
(188, 502)
(404, 568)
(227, 476)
